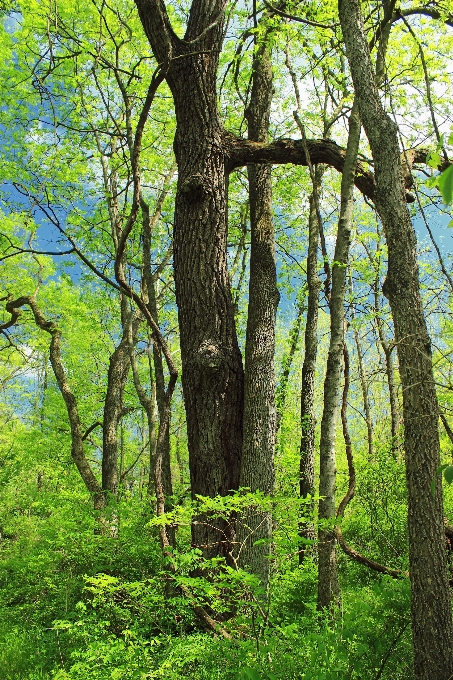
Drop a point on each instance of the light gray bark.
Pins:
(328, 588)
(257, 470)
(307, 416)
(432, 628)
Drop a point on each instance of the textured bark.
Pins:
(327, 568)
(212, 374)
(307, 415)
(366, 401)
(119, 366)
(257, 471)
(242, 151)
(432, 629)
(149, 222)
(287, 361)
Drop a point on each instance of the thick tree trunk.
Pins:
(327, 568)
(307, 415)
(212, 375)
(257, 471)
(432, 628)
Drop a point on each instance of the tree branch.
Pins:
(291, 151)
(77, 452)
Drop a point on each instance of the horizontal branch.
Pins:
(291, 151)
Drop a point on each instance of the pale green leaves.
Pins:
(443, 182)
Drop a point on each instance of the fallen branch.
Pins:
(361, 559)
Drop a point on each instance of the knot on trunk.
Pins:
(210, 355)
(195, 187)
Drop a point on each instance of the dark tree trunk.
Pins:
(257, 471)
(212, 375)
(432, 628)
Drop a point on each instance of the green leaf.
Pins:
(439, 471)
(433, 159)
(448, 474)
(250, 674)
(432, 182)
(446, 185)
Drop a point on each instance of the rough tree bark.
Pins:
(205, 153)
(432, 628)
(327, 568)
(257, 470)
(119, 365)
(307, 415)
(212, 374)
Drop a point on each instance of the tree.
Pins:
(432, 625)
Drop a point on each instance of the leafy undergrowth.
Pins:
(136, 630)
(78, 606)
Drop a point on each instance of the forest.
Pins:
(226, 340)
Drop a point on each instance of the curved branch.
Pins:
(400, 14)
(77, 436)
(361, 559)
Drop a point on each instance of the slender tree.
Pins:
(432, 627)
(328, 588)
(257, 469)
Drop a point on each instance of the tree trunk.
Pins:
(257, 471)
(387, 348)
(287, 361)
(327, 568)
(119, 366)
(432, 628)
(307, 416)
(366, 401)
(212, 375)
(148, 224)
